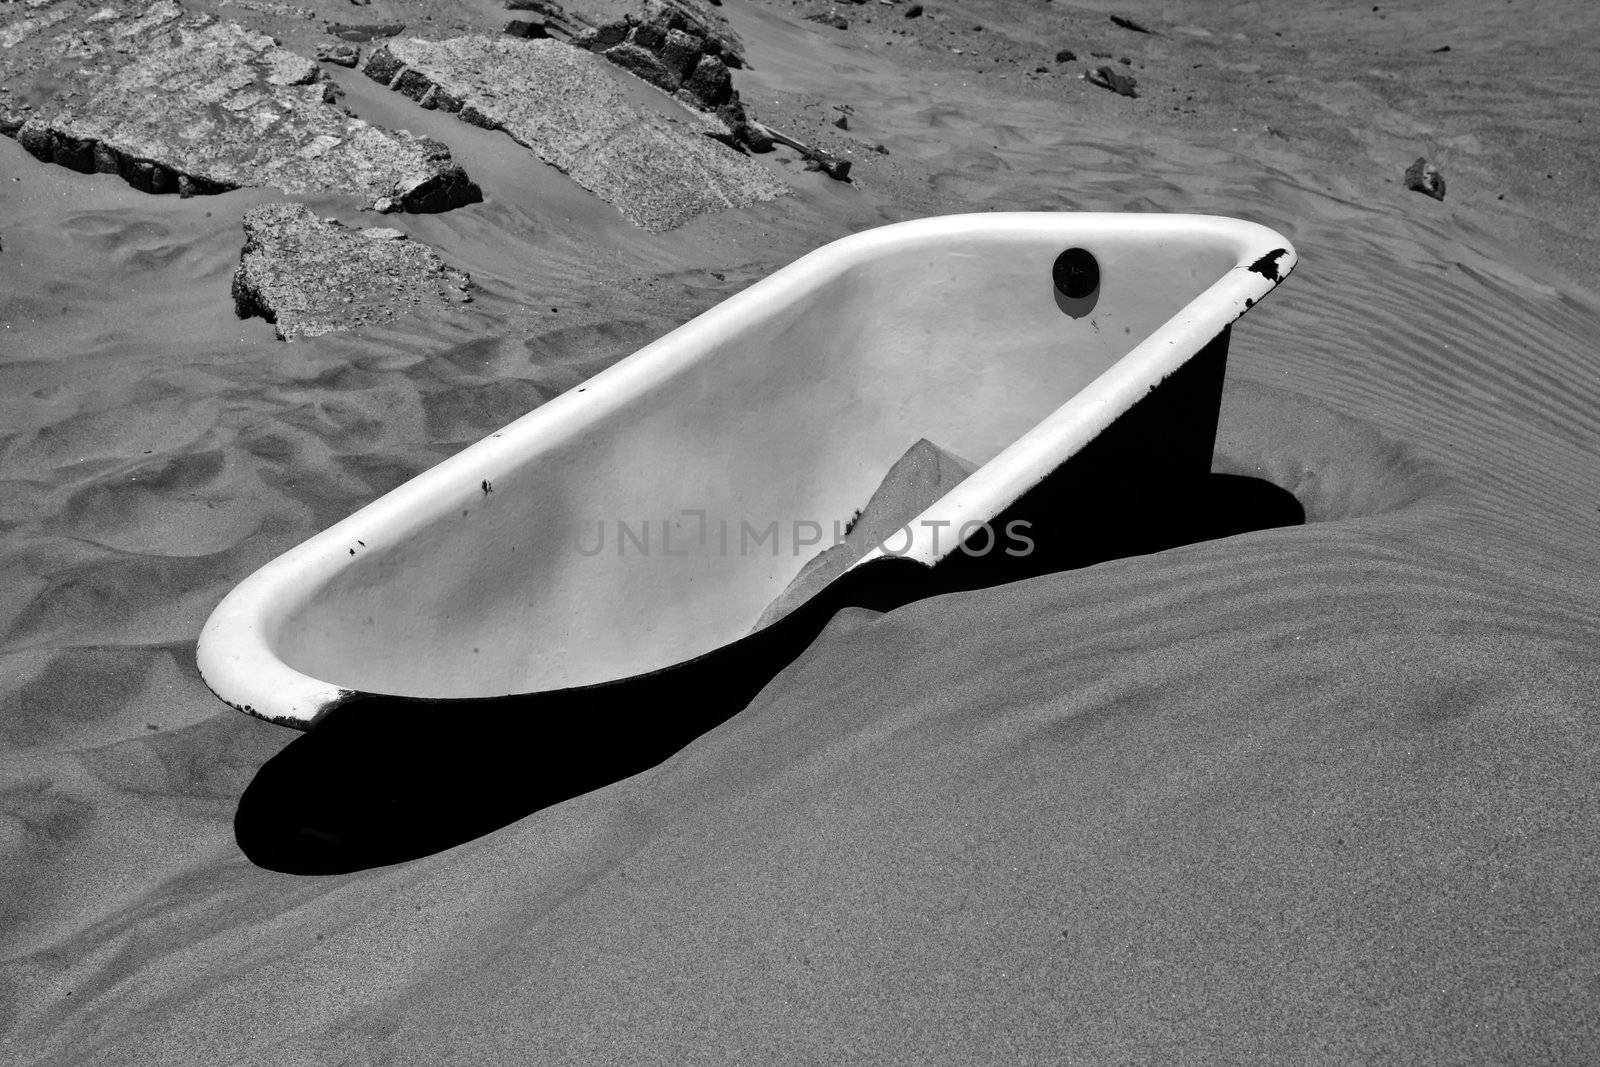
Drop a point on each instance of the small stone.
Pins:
(608, 36)
(837, 169)
(1423, 177)
(363, 32)
(345, 55)
(1113, 79)
(382, 233)
(914, 11)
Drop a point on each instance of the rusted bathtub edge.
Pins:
(295, 722)
(1267, 265)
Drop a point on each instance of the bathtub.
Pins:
(621, 541)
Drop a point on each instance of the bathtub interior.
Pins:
(633, 528)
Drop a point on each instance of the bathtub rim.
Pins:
(235, 654)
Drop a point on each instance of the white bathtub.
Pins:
(643, 521)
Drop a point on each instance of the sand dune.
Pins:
(1323, 793)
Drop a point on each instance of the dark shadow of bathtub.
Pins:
(382, 780)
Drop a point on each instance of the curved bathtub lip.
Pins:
(235, 654)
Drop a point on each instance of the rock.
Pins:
(648, 23)
(381, 66)
(191, 104)
(558, 101)
(690, 17)
(681, 53)
(834, 167)
(556, 20)
(651, 36)
(677, 46)
(914, 11)
(843, 122)
(1066, 55)
(310, 276)
(363, 32)
(1423, 177)
(643, 63)
(1113, 79)
(346, 55)
(711, 85)
(522, 28)
(1128, 24)
(838, 22)
(603, 37)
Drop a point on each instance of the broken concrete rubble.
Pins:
(361, 33)
(681, 48)
(674, 48)
(188, 103)
(646, 24)
(310, 276)
(562, 103)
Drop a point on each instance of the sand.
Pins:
(1323, 793)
